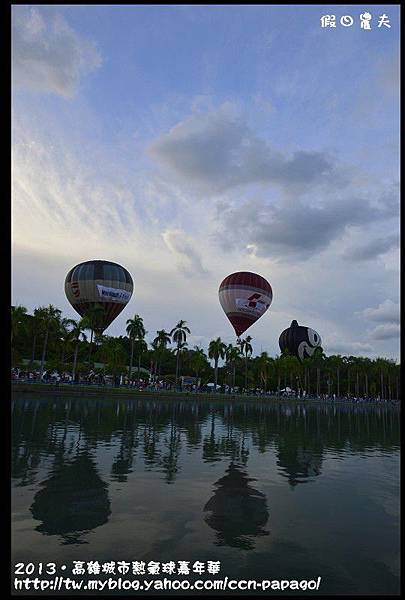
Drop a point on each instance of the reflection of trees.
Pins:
(299, 459)
(223, 441)
(73, 501)
(122, 465)
(161, 430)
(236, 511)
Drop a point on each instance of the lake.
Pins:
(269, 490)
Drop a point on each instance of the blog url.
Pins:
(144, 585)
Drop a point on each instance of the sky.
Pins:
(190, 142)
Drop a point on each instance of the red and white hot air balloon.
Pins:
(244, 297)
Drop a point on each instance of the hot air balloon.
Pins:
(99, 283)
(245, 297)
(299, 341)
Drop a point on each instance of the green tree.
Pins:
(136, 332)
(93, 321)
(177, 351)
(50, 319)
(216, 350)
(246, 349)
(179, 336)
(65, 334)
(232, 354)
(159, 344)
(17, 320)
(140, 347)
(115, 356)
(198, 360)
(263, 366)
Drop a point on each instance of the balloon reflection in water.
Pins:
(237, 512)
(73, 501)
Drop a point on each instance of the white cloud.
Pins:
(385, 332)
(47, 55)
(298, 227)
(218, 151)
(348, 348)
(69, 207)
(181, 245)
(372, 248)
(386, 312)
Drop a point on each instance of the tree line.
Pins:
(52, 342)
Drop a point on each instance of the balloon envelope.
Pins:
(299, 341)
(99, 282)
(244, 297)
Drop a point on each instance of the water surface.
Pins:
(269, 490)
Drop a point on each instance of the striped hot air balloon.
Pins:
(99, 283)
(244, 297)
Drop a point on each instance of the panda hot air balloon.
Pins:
(99, 283)
(244, 297)
(299, 341)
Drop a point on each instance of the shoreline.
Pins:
(100, 391)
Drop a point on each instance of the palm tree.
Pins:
(179, 335)
(263, 364)
(160, 344)
(141, 347)
(278, 367)
(114, 355)
(50, 318)
(93, 321)
(232, 353)
(181, 346)
(246, 349)
(136, 332)
(17, 319)
(349, 361)
(216, 350)
(337, 363)
(318, 359)
(198, 360)
(77, 333)
(66, 335)
(35, 330)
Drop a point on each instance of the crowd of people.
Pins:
(96, 378)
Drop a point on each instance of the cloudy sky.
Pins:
(190, 142)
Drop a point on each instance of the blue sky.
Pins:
(189, 142)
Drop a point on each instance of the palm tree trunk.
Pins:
(382, 384)
(318, 381)
(338, 383)
(366, 378)
(177, 365)
(44, 354)
(131, 360)
(216, 373)
(33, 348)
(139, 365)
(357, 384)
(91, 346)
(246, 374)
(75, 361)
